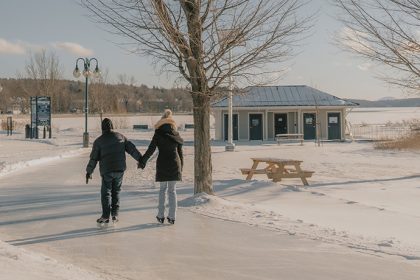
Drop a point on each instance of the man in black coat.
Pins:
(109, 149)
(169, 163)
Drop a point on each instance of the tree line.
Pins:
(68, 96)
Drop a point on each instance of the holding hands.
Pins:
(141, 163)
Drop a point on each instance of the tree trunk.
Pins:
(202, 151)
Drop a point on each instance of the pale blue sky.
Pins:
(62, 26)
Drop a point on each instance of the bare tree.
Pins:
(4, 99)
(45, 70)
(385, 32)
(184, 37)
(100, 98)
(124, 79)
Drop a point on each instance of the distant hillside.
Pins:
(68, 96)
(408, 102)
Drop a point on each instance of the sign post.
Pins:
(40, 114)
(9, 125)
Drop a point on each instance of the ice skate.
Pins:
(160, 220)
(102, 222)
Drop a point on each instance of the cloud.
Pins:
(73, 48)
(21, 47)
(365, 66)
(355, 40)
(7, 47)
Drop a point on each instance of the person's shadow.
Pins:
(93, 231)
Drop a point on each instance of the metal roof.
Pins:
(269, 96)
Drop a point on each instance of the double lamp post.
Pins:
(87, 73)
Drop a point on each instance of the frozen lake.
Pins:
(355, 116)
(383, 115)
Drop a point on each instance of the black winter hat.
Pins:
(107, 125)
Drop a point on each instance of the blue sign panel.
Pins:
(40, 113)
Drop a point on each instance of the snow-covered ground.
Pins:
(358, 197)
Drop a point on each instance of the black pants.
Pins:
(110, 193)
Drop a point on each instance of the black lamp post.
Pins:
(1, 89)
(87, 73)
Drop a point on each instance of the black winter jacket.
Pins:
(109, 149)
(170, 160)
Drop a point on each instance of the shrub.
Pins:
(17, 125)
(409, 142)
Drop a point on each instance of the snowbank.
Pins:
(19, 264)
(17, 153)
(255, 215)
(7, 168)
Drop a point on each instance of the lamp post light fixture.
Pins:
(226, 35)
(87, 73)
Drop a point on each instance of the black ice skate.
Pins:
(171, 221)
(102, 222)
(160, 220)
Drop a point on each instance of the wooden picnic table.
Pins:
(278, 169)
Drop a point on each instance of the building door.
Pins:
(309, 126)
(235, 126)
(334, 126)
(280, 124)
(255, 127)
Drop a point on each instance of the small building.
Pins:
(260, 113)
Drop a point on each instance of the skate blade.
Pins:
(103, 225)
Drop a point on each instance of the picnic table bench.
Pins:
(278, 169)
(289, 136)
(141, 126)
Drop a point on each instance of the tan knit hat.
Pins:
(167, 114)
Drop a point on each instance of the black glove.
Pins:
(141, 164)
(88, 176)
